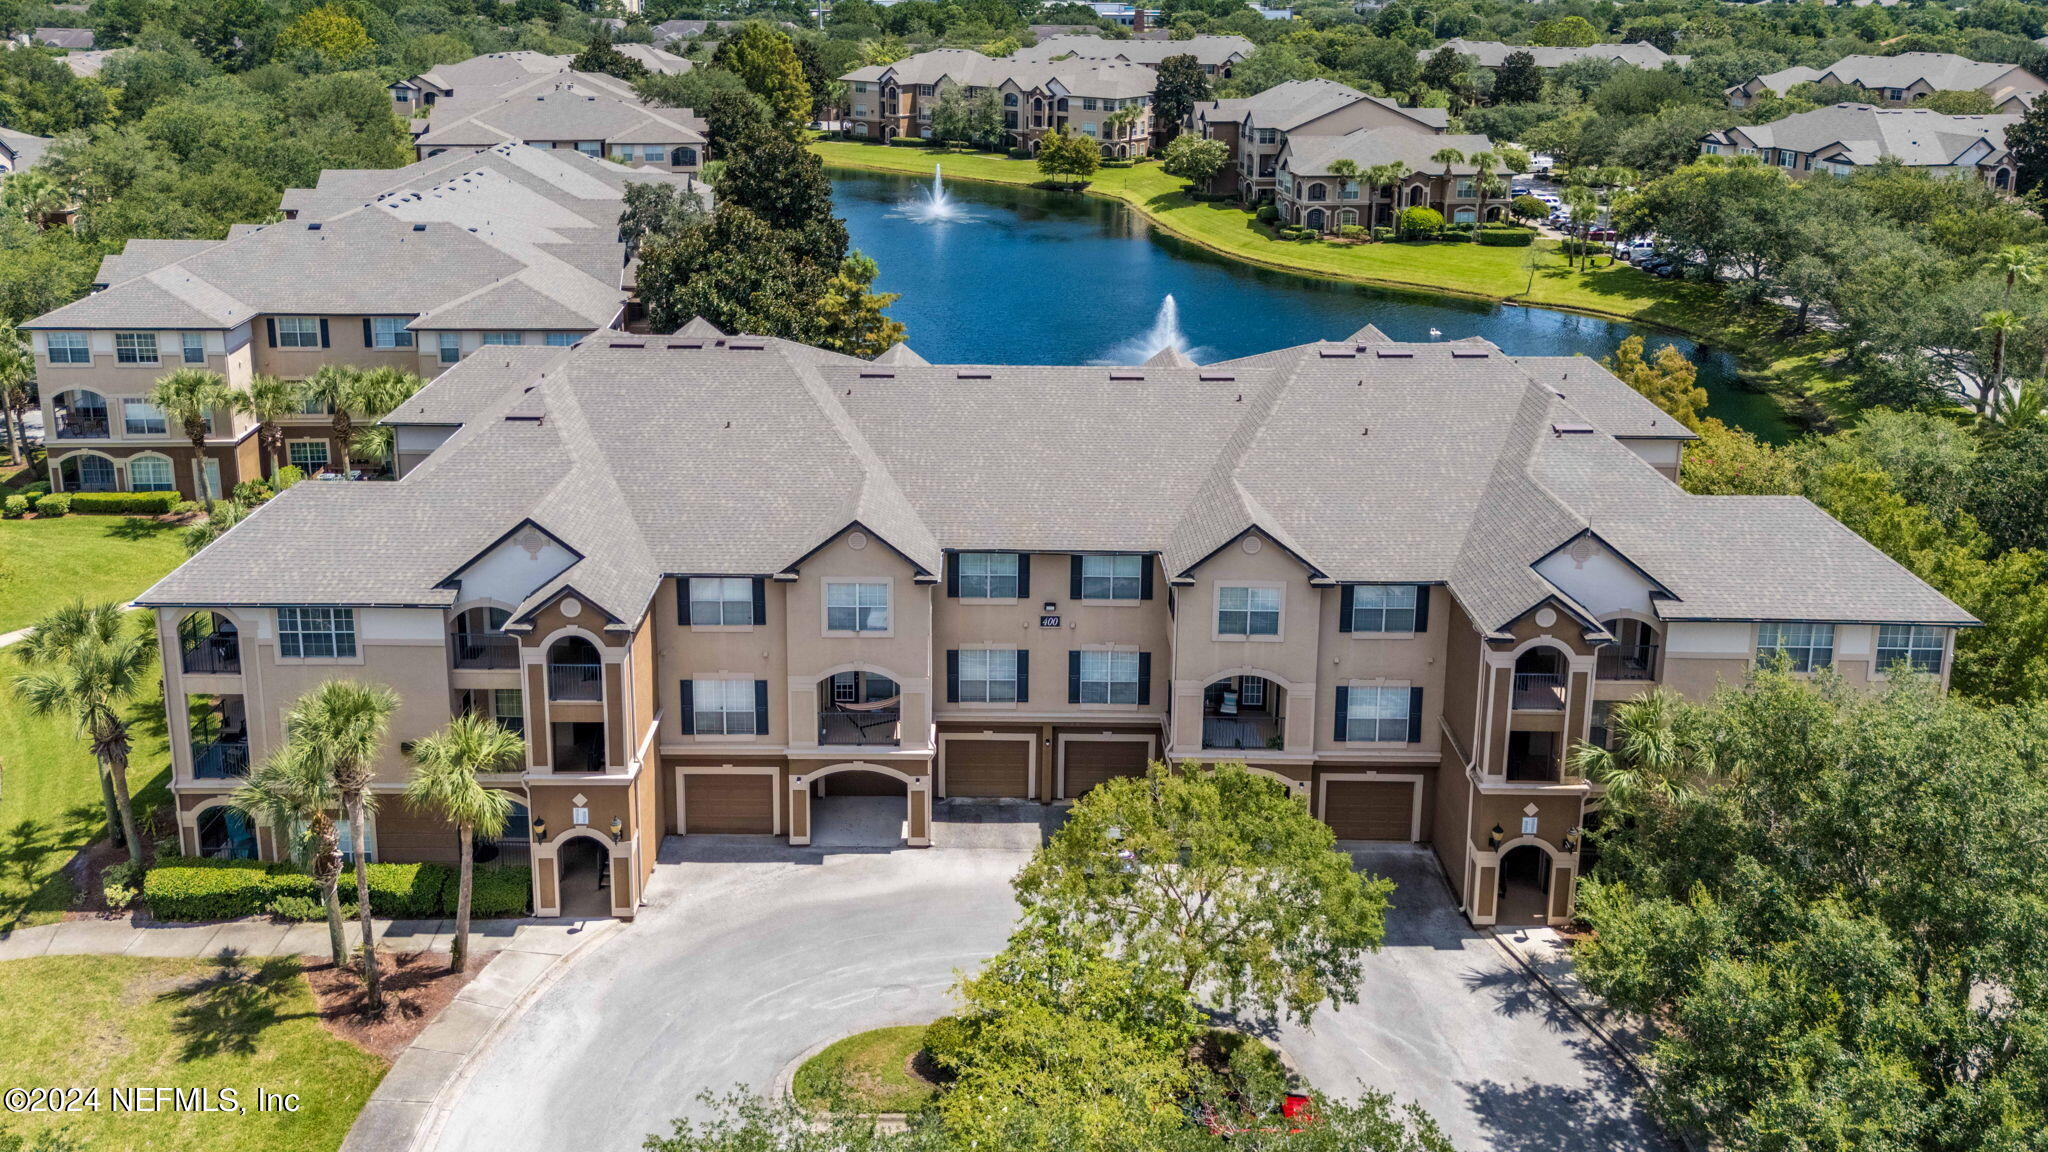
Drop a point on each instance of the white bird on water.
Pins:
(1435, 335)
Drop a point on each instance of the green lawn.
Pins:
(107, 1021)
(873, 1068)
(44, 563)
(1536, 275)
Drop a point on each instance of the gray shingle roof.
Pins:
(1490, 53)
(23, 147)
(1370, 460)
(973, 70)
(1209, 51)
(1313, 155)
(561, 106)
(1866, 133)
(63, 37)
(1288, 105)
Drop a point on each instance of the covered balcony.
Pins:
(506, 706)
(1633, 656)
(218, 726)
(481, 643)
(209, 645)
(1539, 681)
(79, 414)
(575, 671)
(1533, 756)
(860, 709)
(578, 746)
(1243, 712)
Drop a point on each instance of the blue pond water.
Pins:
(1031, 277)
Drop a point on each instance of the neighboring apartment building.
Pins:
(1309, 195)
(533, 99)
(1216, 54)
(1493, 53)
(411, 268)
(1900, 80)
(1844, 137)
(19, 150)
(76, 39)
(1257, 128)
(722, 582)
(890, 100)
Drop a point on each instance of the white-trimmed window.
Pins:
(722, 707)
(721, 601)
(988, 575)
(1807, 646)
(1383, 608)
(1112, 577)
(1916, 644)
(856, 606)
(316, 633)
(1376, 714)
(308, 456)
(141, 418)
(70, 348)
(502, 338)
(150, 474)
(389, 332)
(451, 347)
(1109, 677)
(1247, 610)
(590, 147)
(194, 344)
(563, 339)
(298, 332)
(1251, 692)
(988, 675)
(135, 348)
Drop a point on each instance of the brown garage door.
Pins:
(1370, 809)
(731, 803)
(1090, 762)
(988, 768)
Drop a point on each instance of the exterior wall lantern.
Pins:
(1493, 838)
(618, 827)
(540, 829)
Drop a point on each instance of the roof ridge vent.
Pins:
(1469, 354)
(878, 375)
(1394, 353)
(746, 345)
(974, 376)
(1126, 375)
(1214, 377)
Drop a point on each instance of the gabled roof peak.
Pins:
(900, 354)
(699, 326)
(1169, 357)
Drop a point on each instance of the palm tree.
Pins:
(17, 368)
(87, 662)
(2020, 265)
(1583, 205)
(1386, 175)
(268, 401)
(37, 197)
(291, 793)
(1346, 170)
(445, 783)
(1659, 754)
(1482, 178)
(1447, 157)
(372, 445)
(341, 727)
(2003, 325)
(189, 397)
(352, 394)
(221, 515)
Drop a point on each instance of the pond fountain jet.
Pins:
(937, 206)
(1165, 333)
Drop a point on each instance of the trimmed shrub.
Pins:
(118, 503)
(909, 141)
(121, 884)
(495, 891)
(188, 889)
(14, 507)
(1381, 232)
(252, 492)
(1116, 163)
(1268, 213)
(1351, 231)
(1528, 208)
(185, 508)
(1507, 237)
(208, 893)
(1462, 226)
(287, 476)
(1020, 153)
(409, 891)
(53, 505)
(304, 909)
(1420, 222)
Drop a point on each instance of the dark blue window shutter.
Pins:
(687, 723)
(369, 341)
(1344, 599)
(683, 601)
(1343, 712)
(761, 707)
(1074, 584)
(760, 600)
(1145, 579)
(952, 676)
(1422, 608)
(1023, 676)
(1144, 678)
(270, 330)
(1074, 671)
(1023, 575)
(953, 574)
(323, 333)
(1415, 715)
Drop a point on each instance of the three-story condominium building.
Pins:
(1308, 193)
(1900, 80)
(1258, 128)
(1110, 103)
(597, 115)
(1844, 137)
(721, 583)
(1215, 55)
(411, 268)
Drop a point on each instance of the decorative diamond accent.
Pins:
(1529, 810)
(582, 801)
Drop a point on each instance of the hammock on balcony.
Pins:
(863, 723)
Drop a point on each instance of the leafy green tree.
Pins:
(1971, 102)
(87, 663)
(1740, 215)
(341, 727)
(850, 318)
(729, 108)
(295, 797)
(1064, 155)
(599, 56)
(1668, 380)
(190, 398)
(1842, 932)
(772, 175)
(735, 271)
(330, 32)
(1195, 159)
(657, 208)
(2008, 490)
(1517, 80)
(1217, 876)
(445, 784)
(1181, 85)
(976, 119)
(1419, 223)
(1565, 32)
(2027, 140)
(765, 58)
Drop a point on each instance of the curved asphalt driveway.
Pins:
(750, 954)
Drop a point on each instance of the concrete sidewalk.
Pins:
(123, 937)
(1547, 957)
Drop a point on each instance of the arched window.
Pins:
(1009, 99)
(1062, 105)
(1465, 215)
(86, 473)
(81, 415)
(1318, 191)
(683, 157)
(1315, 219)
(1416, 193)
(150, 474)
(2004, 179)
(1347, 217)
(575, 671)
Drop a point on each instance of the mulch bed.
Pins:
(417, 986)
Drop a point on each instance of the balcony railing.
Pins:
(1240, 731)
(71, 427)
(1628, 662)
(488, 651)
(575, 681)
(221, 760)
(1534, 767)
(575, 758)
(217, 654)
(851, 726)
(1539, 692)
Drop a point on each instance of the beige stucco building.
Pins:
(722, 582)
(1108, 102)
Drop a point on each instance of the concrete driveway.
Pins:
(750, 954)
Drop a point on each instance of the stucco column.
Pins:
(920, 799)
(799, 810)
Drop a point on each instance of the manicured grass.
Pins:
(874, 1068)
(50, 804)
(101, 1022)
(1535, 275)
(45, 563)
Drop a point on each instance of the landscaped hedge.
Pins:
(134, 503)
(57, 504)
(14, 507)
(188, 889)
(1507, 237)
(908, 141)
